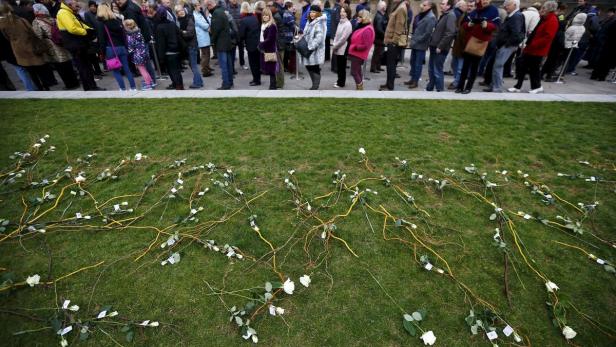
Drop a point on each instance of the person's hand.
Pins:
(484, 24)
(438, 51)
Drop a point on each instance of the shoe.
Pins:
(252, 83)
(179, 87)
(451, 87)
(458, 90)
(360, 86)
(551, 79)
(244, 67)
(536, 91)
(146, 87)
(98, 89)
(466, 91)
(170, 87)
(412, 85)
(122, 89)
(337, 86)
(488, 90)
(508, 76)
(514, 90)
(407, 83)
(207, 74)
(573, 73)
(71, 87)
(98, 77)
(192, 86)
(383, 87)
(223, 88)
(483, 84)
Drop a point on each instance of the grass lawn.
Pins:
(367, 272)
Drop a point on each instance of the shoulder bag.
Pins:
(112, 63)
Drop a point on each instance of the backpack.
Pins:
(56, 36)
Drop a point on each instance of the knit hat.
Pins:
(315, 8)
(92, 2)
(40, 9)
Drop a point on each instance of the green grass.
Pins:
(261, 140)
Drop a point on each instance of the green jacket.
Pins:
(219, 30)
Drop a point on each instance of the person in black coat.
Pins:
(221, 38)
(250, 31)
(168, 47)
(131, 10)
(112, 40)
(380, 24)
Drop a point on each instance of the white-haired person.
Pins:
(537, 47)
(43, 26)
(380, 24)
(508, 39)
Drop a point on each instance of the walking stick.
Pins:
(160, 74)
(562, 70)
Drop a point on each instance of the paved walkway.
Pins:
(576, 88)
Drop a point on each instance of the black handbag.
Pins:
(301, 46)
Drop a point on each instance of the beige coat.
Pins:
(397, 25)
(42, 29)
(19, 33)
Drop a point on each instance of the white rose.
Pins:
(289, 286)
(305, 280)
(33, 280)
(551, 287)
(428, 338)
(362, 151)
(568, 332)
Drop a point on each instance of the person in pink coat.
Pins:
(361, 42)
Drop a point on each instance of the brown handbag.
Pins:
(270, 57)
(476, 47)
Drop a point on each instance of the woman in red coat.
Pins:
(267, 46)
(537, 47)
(361, 42)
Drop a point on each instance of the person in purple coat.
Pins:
(267, 44)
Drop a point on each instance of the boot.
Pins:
(179, 87)
(316, 81)
(360, 86)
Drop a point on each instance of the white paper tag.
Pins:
(171, 260)
(145, 322)
(428, 267)
(65, 330)
(492, 335)
(508, 331)
(65, 304)
(180, 181)
(102, 314)
(78, 215)
(116, 207)
(173, 190)
(600, 261)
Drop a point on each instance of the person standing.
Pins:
(76, 39)
(537, 47)
(440, 42)
(461, 10)
(189, 35)
(359, 48)
(380, 24)
(138, 51)
(396, 39)
(336, 13)
(314, 33)
(606, 55)
(111, 37)
(425, 21)
(479, 26)
(339, 47)
(250, 32)
(131, 10)
(221, 39)
(59, 57)
(202, 28)
(507, 41)
(168, 46)
(268, 47)
(286, 34)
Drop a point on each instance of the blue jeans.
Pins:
(456, 67)
(501, 57)
(193, 52)
(24, 76)
(226, 67)
(417, 59)
(435, 70)
(123, 55)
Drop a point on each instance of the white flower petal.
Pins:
(428, 338)
(568, 333)
(33, 280)
(289, 286)
(305, 280)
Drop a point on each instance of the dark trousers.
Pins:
(487, 73)
(341, 61)
(375, 63)
(272, 83)
(531, 65)
(554, 60)
(84, 66)
(606, 61)
(469, 71)
(5, 81)
(95, 62)
(67, 74)
(42, 76)
(240, 50)
(393, 53)
(174, 69)
(254, 60)
(327, 48)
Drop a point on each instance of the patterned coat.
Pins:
(137, 48)
(19, 33)
(42, 29)
(314, 32)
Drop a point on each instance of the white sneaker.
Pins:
(514, 90)
(244, 67)
(536, 91)
(337, 86)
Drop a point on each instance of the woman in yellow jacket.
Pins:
(76, 39)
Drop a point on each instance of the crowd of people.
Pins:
(126, 39)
